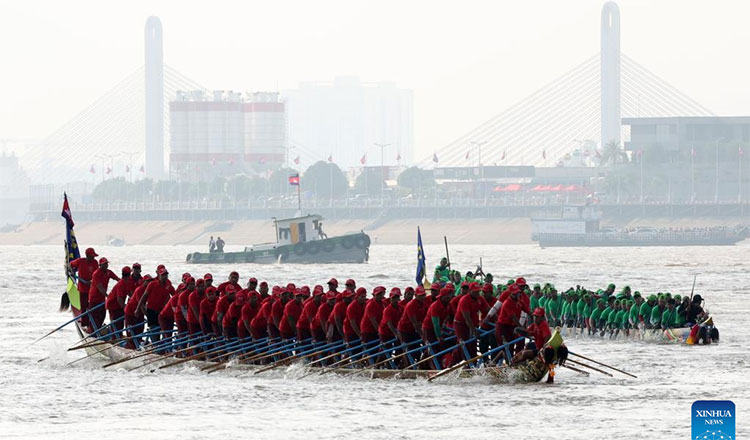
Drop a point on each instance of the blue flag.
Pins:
(71, 245)
(421, 260)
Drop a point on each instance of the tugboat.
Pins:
(298, 240)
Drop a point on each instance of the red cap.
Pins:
(487, 288)
(521, 281)
(208, 276)
(234, 273)
(189, 280)
(420, 291)
(318, 292)
(161, 266)
(230, 288)
(435, 286)
(200, 282)
(305, 290)
(263, 283)
(474, 287)
(162, 270)
(330, 295)
(464, 284)
(409, 289)
(538, 311)
(347, 294)
(103, 260)
(450, 286)
(211, 289)
(185, 276)
(126, 270)
(136, 264)
(146, 277)
(394, 292)
(350, 282)
(514, 289)
(241, 297)
(291, 287)
(445, 292)
(275, 290)
(90, 252)
(377, 290)
(334, 281)
(361, 291)
(253, 280)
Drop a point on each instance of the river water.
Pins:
(51, 400)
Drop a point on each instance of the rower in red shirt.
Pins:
(292, 312)
(410, 324)
(435, 320)
(194, 306)
(234, 313)
(277, 313)
(391, 316)
(222, 306)
(134, 316)
(157, 294)
(207, 309)
(308, 314)
(336, 331)
(182, 303)
(540, 333)
(354, 313)
(85, 268)
(372, 315)
(166, 316)
(249, 311)
(259, 324)
(508, 318)
(408, 296)
(466, 319)
(333, 285)
(320, 324)
(115, 303)
(98, 291)
(233, 280)
(433, 296)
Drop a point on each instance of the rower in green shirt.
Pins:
(657, 312)
(595, 321)
(669, 317)
(633, 313)
(644, 313)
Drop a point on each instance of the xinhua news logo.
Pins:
(713, 420)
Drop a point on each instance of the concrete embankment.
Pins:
(246, 232)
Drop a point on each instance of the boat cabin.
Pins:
(299, 229)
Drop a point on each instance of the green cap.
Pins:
(637, 294)
(652, 297)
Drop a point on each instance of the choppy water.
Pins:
(51, 400)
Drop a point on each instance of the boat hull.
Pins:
(351, 248)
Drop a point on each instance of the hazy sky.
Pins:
(466, 61)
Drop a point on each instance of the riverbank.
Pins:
(247, 232)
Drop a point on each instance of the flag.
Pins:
(109, 170)
(92, 170)
(503, 156)
(434, 157)
(421, 260)
(71, 253)
(143, 169)
(364, 159)
(740, 152)
(398, 157)
(127, 168)
(467, 155)
(330, 158)
(544, 154)
(294, 179)
(296, 160)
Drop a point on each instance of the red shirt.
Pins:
(413, 310)
(208, 307)
(373, 310)
(249, 312)
(100, 277)
(354, 312)
(158, 295)
(339, 311)
(122, 290)
(277, 313)
(473, 306)
(194, 302)
(540, 333)
(86, 269)
(183, 304)
(453, 305)
(221, 288)
(308, 314)
(291, 310)
(509, 309)
(523, 300)
(167, 312)
(436, 310)
(320, 320)
(233, 312)
(260, 321)
(133, 302)
(391, 314)
(222, 305)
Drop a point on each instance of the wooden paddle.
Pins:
(454, 368)
(154, 346)
(67, 323)
(590, 367)
(603, 365)
(585, 373)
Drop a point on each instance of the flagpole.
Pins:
(692, 175)
(739, 182)
(299, 192)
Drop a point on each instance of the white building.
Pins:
(345, 118)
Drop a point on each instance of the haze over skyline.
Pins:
(464, 64)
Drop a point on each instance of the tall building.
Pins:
(345, 118)
(227, 133)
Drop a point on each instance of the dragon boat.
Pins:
(116, 354)
(679, 335)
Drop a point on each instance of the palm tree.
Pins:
(612, 154)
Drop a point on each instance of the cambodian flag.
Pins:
(421, 260)
(294, 180)
(71, 295)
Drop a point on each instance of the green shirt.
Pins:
(621, 318)
(533, 302)
(597, 314)
(656, 315)
(552, 307)
(587, 309)
(645, 312)
(669, 318)
(633, 314)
